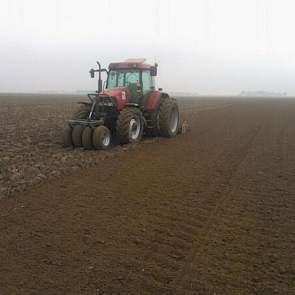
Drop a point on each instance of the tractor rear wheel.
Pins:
(67, 137)
(101, 138)
(77, 135)
(87, 138)
(168, 117)
(130, 125)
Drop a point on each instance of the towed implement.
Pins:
(128, 107)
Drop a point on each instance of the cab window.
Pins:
(146, 81)
(112, 79)
(122, 78)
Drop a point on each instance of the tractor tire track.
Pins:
(182, 233)
(209, 225)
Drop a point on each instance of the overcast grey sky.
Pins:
(206, 46)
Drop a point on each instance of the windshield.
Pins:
(119, 78)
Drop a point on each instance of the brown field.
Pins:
(208, 212)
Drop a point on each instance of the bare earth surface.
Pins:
(208, 212)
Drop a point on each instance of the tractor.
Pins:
(125, 108)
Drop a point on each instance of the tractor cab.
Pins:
(134, 75)
(131, 81)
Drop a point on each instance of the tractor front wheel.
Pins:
(130, 125)
(82, 113)
(168, 117)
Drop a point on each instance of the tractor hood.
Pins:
(117, 91)
(121, 94)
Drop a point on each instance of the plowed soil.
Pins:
(208, 212)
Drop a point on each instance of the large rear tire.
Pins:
(77, 135)
(101, 138)
(130, 125)
(87, 138)
(168, 117)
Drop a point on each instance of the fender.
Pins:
(154, 99)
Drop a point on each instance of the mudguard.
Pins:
(154, 99)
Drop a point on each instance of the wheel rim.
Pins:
(134, 128)
(106, 139)
(174, 120)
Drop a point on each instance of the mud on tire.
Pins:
(130, 125)
(168, 117)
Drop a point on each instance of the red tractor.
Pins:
(127, 108)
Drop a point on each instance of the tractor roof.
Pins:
(131, 63)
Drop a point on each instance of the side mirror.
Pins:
(91, 73)
(160, 89)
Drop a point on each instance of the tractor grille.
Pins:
(106, 101)
(105, 108)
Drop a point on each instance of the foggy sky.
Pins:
(203, 46)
